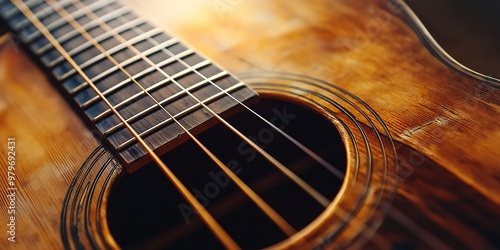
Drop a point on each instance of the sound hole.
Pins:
(146, 211)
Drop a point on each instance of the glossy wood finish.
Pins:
(444, 124)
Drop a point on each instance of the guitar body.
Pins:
(421, 138)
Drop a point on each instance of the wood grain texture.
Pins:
(52, 143)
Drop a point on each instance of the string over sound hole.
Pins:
(145, 210)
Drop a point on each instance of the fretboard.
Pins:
(172, 75)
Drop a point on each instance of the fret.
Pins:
(118, 97)
(31, 3)
(60, 70)
(39, 43)
(128, 103)
(225, 82)
(80, 57)
(87, 26)
(210, 69)
(122, 94)
(127, 62)
(93, 70)
(8, 10)
(94, 57)
(137, 114)
(24, 28)
(15, 19)
(48, 57)
(168, 101)
(117, 48)
(61, 21)
(138, 75)
(97, 109)
(42, 14)
(134, 110)
(162, 123)
(84, 96)
(109, 81)
(72, 83)
(156, 49)
(78, 51)
(120, 84)
(193, 59)
(141, 126)
(87, 45)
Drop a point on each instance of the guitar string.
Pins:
(212, 224)
(271, 213)
(97, 17)
(364, 229)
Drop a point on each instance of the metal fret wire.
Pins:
(172, 98)
(45, 12)
(99, 38)
(181, 114)
(121, 84)
(92, 24)
(117, 48)
(154, 86)
(58, 23)
(212, 224)
(270, 212)
(83, 85)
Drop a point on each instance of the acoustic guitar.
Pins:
(314, 125)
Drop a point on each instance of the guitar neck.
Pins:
(138, 68)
